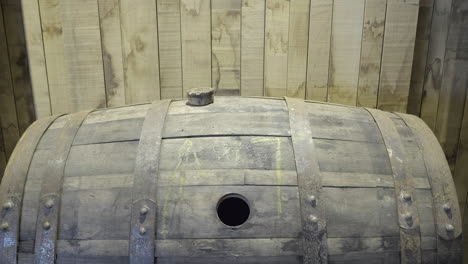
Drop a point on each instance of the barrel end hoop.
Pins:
(448, 222)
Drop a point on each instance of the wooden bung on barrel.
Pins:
(237, 180)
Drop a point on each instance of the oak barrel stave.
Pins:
(235, 145)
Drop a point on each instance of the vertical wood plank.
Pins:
(14, 30)
(454, 82)
(111, 42)
(36, 58)
(252, 47)
(345, 51)
(297, 52)
(196, 43)
(225, 38)
(276, 47)
(2, 153)
(318, 58)
(82, 55)
(423, 33)
(435, 61)
(397, 54)
(52, 34)
(461, 163)
(140, 45)
(9, 121)
(371, 53)
(170, 49)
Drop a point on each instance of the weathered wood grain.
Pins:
(36, 58)
(8, 116)
(371, 53)
(52, 34)
(436, 61)
(188, 212)
(345, 51)
(397, 54)
(252, 47)
(170, 49)
(297, 50)
(140, 51)
(421, 47)
(318, 58)
(276, 47)
(226, 45)
(352, 156)
(381, 220)
(3, 158)
(15, 38)
(454, 83)
(85, 88)
(196, 43)
(111, 42)
(452, 113)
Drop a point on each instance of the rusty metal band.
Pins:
(309, 184)
(445, 204)
(408, 216)
(143, 213)
(51, 189)
(12, 188)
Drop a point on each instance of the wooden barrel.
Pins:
(241, 180)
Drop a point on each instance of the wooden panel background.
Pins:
(396, 55)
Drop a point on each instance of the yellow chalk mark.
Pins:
(185, 149)
(279, 179)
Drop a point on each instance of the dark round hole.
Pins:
(233, 210)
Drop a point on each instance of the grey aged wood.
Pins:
(246, 146)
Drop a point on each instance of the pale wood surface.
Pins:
(345, 51)
(371, 53)
(196, 43)
(226, 45)
(435, 62)
(111, 42)
(298, 45)
(397, 54)
(276, 47)
(36, 58)
(52, 35)
(132, 53)
(170, 49)
(140, 50)
(252, 47)
(318, 63)
(82, 57)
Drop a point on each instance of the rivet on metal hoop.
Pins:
(447, 208)
(142, 230)
(49, 203)
(144, 210)
(313, 219)
(449, 228)
(46, 225)
(312, 200)
(7, 205)
(5, 226)
(407, 197)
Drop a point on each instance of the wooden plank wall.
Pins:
(98, 53)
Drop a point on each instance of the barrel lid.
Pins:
(200, 96)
